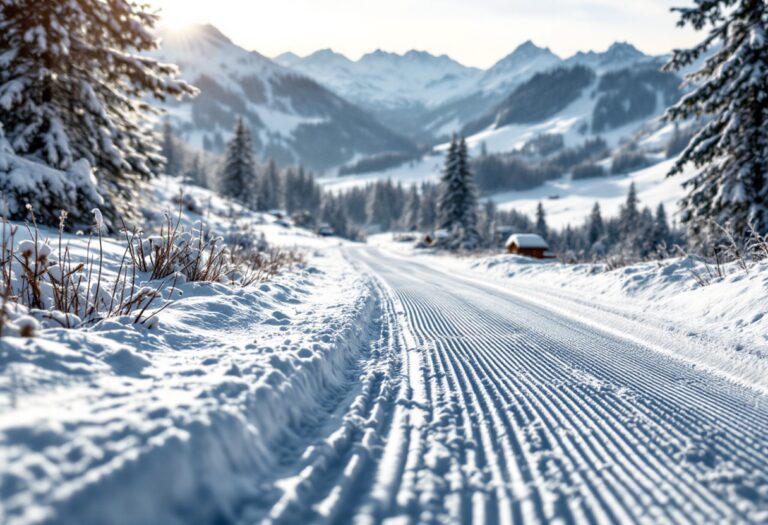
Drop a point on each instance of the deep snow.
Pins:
(181, 421)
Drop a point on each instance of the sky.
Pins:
(474, 32)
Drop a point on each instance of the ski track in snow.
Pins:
(506, 412)
(439, 399)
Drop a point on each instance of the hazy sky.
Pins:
(474, 32)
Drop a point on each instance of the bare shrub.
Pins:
(256, 266)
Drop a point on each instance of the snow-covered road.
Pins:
(508, 412)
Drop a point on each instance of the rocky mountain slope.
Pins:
(292, 117)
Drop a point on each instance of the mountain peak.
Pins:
(527, 52)
(618, 54)
(624, 49)
(194, 37)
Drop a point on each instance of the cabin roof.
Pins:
(527, 240)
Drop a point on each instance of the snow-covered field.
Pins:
(565, 201)
(569, 201)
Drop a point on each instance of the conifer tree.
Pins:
(195, 172)
(488, 222)
(73, 85)
(629, 215)
(238, 177)
(595, 226)
(379, 205)
(661, 233)
(457, 202)
(428, 209)
(730, 153)
(448, 203)
(412, 209)
(541, 221)
(269, 188)
(171, 151)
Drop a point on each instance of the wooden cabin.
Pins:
(529, 245)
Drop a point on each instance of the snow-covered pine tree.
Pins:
(470, 238)
(73, 85)
(49, 191)
(237, 179)
(195, 172)
(629, 214)
(428, 209)
(661, 233)
(449, 207)
(171, 151)
(332, 213)
(411, 211)
(541, 221)
(270, 188)
(730, 153)
(487, 226)
(595, 226)
(378, 206)
(457, 201)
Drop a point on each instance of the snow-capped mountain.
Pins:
(383, 80)
(428, 97)
(292, 117)
(620, 55)
(517, 67)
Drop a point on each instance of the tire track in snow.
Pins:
(535, 417)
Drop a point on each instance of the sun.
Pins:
(176, 16)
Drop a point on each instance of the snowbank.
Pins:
(722, 326)
(178, 421)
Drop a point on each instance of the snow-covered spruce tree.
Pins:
(487, 224)
(49, 191)
(595, 225)
(661, 232)
(73, 85)
(237, 179)
(457, 202)
(270, 188)
(629, 214)
(541, 221)
(172, 151)
(195, 173)
(410, 218)
(428, 207)
(730, 153)
(448, 204)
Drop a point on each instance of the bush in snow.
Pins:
(42, 280)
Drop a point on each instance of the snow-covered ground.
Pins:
(371, 385)
(722, 326)
(565, 201)
(569, 201)
(179, 421)
(524, 403)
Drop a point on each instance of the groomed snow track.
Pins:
(506, 412)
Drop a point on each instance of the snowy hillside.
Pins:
(293, 118)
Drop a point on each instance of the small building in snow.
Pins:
(529, 245)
